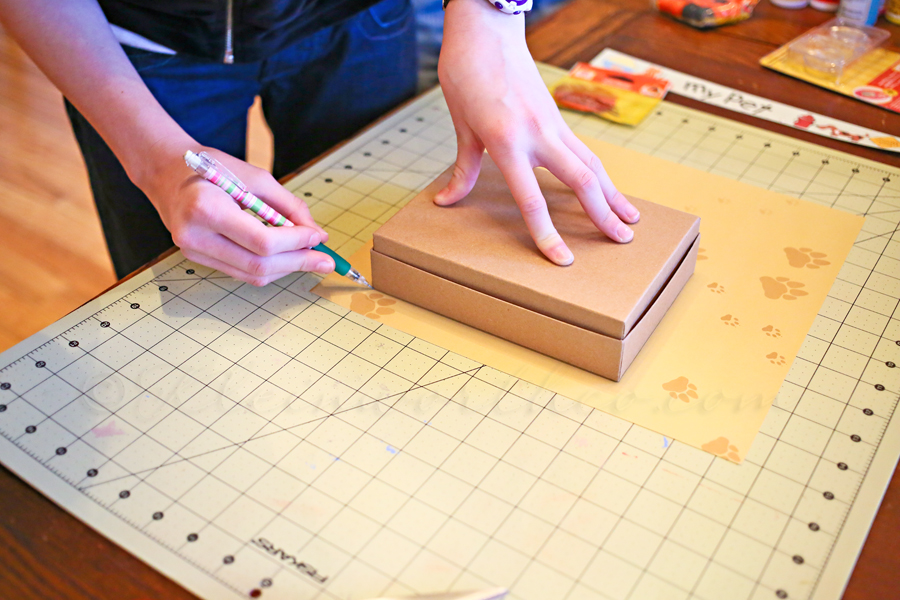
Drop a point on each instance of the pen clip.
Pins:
(223, 170)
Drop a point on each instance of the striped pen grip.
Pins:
(246, 199)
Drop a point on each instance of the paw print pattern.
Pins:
(730, 320)
(722, 447)
(701, 254)
(805, 257)
(371, 304)
(782, 287)
(775, 358)
(771, 331)
(681, 389)
(716, 288)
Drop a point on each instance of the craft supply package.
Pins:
(475, 262)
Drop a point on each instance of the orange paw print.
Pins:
(772, 331)
(775, 358)
(681, 389)
(371, 304)
(715, 287)
(782, 287)
(729, 320)
(765, 211)
(701, 254)
(805, 257)
(721, 447)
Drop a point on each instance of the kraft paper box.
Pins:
(476, 263)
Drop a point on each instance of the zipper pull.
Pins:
(228, 59)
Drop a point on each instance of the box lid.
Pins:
(482, 243)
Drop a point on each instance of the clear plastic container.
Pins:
(829, 49)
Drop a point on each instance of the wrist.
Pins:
(509, 7)
(155, 164)
(471, 15)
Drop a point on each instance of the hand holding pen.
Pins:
(234, 243)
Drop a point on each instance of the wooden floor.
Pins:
(52, 254)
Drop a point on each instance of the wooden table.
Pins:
(730, 56)
(46, 553)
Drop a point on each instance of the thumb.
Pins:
(469, 153)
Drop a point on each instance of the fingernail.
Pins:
(323, 266)
(561, 255)
(633, 214)
(439, 197)
(314, 240)
(624, 233)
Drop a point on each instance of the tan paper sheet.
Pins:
(710, 372)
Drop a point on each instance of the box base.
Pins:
(606, 356)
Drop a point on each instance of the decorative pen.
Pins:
(212, 170)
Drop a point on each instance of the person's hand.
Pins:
(499, 102)
(74, 46)
(211, 228)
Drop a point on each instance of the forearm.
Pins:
(71, 41)
(73, 45)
